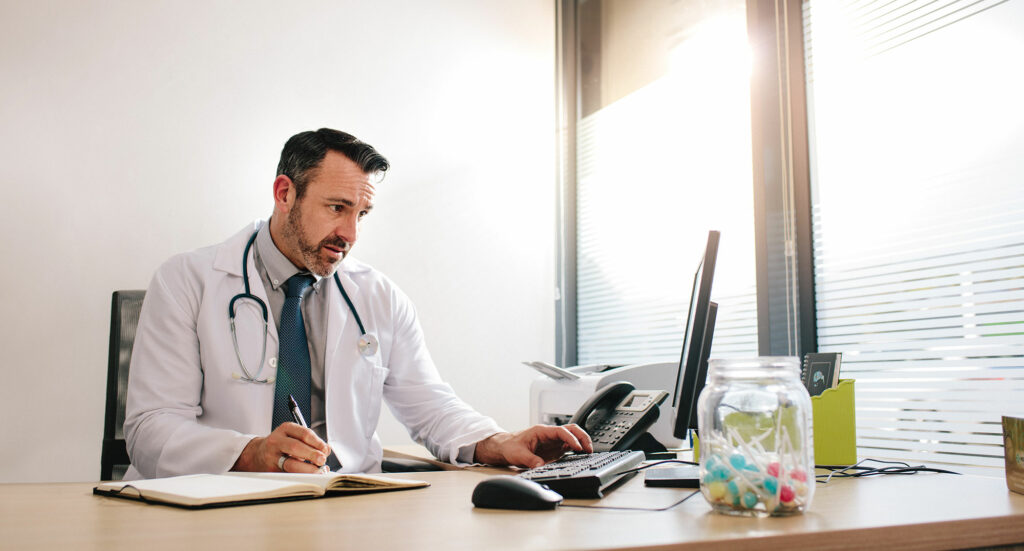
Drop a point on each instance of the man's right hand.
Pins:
(298, 444)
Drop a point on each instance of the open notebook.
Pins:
(221, 490)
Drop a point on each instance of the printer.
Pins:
(554, 401)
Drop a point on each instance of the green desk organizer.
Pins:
(835, 426)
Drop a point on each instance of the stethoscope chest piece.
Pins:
(368, 345)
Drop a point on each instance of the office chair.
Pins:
(124, 317)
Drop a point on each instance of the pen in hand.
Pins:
(301, 421)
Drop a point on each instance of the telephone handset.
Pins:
(618, 414)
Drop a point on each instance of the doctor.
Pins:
(210, 380)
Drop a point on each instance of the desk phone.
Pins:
(618, 414)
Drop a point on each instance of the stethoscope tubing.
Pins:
(367, 343)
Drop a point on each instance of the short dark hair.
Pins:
(304, 151)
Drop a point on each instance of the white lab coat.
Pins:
(186, 413)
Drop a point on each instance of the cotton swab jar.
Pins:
(756, 442)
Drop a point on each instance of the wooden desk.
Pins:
(925, 511)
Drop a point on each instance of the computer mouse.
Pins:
(513, 492)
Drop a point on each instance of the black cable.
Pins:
(887, 470)
(837, 471)
(636, 470)
(896, 467)
(695, 492)
(857, 464)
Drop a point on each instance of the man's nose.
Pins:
(348, 229)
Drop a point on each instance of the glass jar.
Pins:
(756, 442)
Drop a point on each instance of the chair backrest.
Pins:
(124, 318)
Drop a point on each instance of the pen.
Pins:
(296, 412)
(301, 421)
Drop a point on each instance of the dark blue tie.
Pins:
(293, 370)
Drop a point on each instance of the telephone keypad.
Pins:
(613, 429)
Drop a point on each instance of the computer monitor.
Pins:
(700, 326)
(705, 353)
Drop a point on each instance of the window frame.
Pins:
(566, 113)
(782, 181)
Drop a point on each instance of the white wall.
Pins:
(134, 130)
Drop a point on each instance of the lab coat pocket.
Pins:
(374, 394)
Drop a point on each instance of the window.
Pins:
(917, 129)
(663, 156)
(886, 185)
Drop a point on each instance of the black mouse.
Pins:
(513, 492)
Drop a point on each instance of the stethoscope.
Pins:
(367, 342)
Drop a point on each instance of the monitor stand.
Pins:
(652, 449)
(686, 476)
(682, 476)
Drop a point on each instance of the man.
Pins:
(210, 383)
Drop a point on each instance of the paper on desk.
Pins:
(553, 371)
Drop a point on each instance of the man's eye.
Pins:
(337, 208)
(363, 213)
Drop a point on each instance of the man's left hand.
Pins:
(532, 447)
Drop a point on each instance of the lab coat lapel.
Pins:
(338, 318)
(257, 288)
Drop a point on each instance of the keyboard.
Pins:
(585, 476)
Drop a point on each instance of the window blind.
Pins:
(638, 249)
(918, 216)
(656, 170)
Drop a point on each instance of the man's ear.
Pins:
(284, 194)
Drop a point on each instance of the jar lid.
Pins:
(756, 367)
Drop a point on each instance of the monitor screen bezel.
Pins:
(693, 340)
